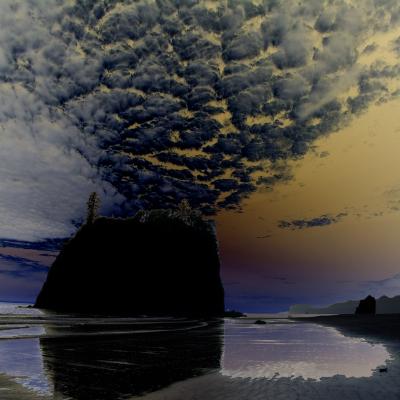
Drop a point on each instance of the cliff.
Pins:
(156, 263)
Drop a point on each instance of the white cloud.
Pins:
(389, 287)
(46, 164)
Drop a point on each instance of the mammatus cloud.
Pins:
(323, 220)
(152, 101)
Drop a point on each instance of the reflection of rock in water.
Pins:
(117, 366)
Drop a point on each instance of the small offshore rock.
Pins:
(367, 306)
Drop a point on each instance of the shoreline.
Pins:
(379, 327)
(219, 382)
(10, 389)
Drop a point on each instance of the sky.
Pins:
(277, 118)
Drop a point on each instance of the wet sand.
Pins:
(217, 387)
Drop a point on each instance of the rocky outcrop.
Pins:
(367, 306)
(156, 263)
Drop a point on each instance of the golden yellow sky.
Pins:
(359, 175)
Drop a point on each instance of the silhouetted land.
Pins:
(156, 263)
(384, 305)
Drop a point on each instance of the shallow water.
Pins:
(65, 356)
(292, 349)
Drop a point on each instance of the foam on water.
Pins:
(18, 309)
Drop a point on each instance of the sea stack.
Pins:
(157, 263)
(367, 306)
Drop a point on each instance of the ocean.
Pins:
(47, 355)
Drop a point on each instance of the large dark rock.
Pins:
(367, 306)
(155, 263)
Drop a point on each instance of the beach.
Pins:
(58, 356)
(377, 331)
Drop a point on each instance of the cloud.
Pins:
(388, 287)
(323, 220)
(20, 278)
(243, 46)
(19, 266)
(264, 236)
(152, 101)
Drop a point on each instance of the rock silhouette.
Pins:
(367, 306)
(384, 305)
(156, 263)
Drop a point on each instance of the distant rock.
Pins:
(367, 306)
(156, 263)
(259, 322)
(233, 314)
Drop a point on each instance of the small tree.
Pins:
(93, 205)
(185, 212)
(184, 208)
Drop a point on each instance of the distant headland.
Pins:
(382, 305)
(157, 263)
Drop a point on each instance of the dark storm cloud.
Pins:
(199, 73)
(323, 220)
(152, 101)
(242, 46)
(291, 88)
(241, 77)
(295, 51)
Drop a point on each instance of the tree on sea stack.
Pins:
(93, 205)
(185, 212)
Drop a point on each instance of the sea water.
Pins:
(76, 357)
